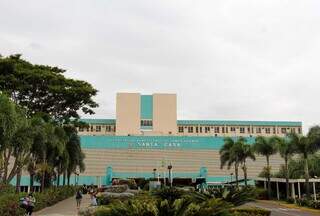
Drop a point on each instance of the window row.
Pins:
(97, 128)
(146, 122)
(258, 130)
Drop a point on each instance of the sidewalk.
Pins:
(67, 207)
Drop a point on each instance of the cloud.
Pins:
(249, 60)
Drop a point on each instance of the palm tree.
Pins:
(307, 145)
(266, 146)
(286, 150)
(244, 151)
(229, 155)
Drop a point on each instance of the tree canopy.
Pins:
(45, 90)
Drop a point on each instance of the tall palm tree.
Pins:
(306, 146)
(244, 151)
(266, 146)
(229, 155)
(286, 150)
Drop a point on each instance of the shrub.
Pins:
(250, 212)
(234, 195)
(9, 205)
(9, 202)
(6, 189)
(261, 194)
(168, 193)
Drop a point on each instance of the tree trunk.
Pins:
(18, 181)
(31, 182)
(68, 179)
(58, 180)
(287, 178)
(64, 179)
(245, 174)
(236, 168)
(306, 173)
(268, 177)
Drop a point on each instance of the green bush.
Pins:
(308, 203)
(9, 202)
(250, 212)
(9, 205)
(261, 194)
(6, 189)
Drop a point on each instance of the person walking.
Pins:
(78, 198)
(30, 200)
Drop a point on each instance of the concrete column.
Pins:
(278, 196)
(293, 193)
(314, 191)
(299, 192)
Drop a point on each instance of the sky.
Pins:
(225, 59)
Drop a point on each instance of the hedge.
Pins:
(9, 202)
(250, 212)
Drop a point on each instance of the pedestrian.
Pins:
(93, 199)
(78, 198)
(30, 200)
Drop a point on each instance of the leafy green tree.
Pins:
(15, 139)
(75, 154)
(266, 146)
(244, 151)
(286, 149)
(230, 154)
(45, 90)
(306, 146)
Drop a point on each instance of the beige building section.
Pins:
(183, 161)
(128, 114)
(165, 114)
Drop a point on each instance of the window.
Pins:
(146, 122)
(98, 128)
(293, 130)
(207, 129)
(197, 129)
(232, 129)
(87, 129)
(242, 129)
(200, 129)
(108, 128)
(180, 129)
(283, 130)
(81, 129)
(299, 130)
(216, 129)
(190, 129)
(248, 129)
(274, 130)
(258, 130)
(222, 129)
(226, 129)
(91, 128)
(267, 130)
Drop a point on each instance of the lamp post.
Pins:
(170, 174)
(76, 178)
(154, 173)
(231, 174)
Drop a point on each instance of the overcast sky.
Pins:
(228, 59)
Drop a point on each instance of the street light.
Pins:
(154, 173)
(76, 178)
(170, 174)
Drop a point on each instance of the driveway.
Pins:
(280, 210)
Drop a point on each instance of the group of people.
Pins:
(28, 203)
(91, 190)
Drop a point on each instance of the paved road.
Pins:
(279, 210)
(67, 207)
